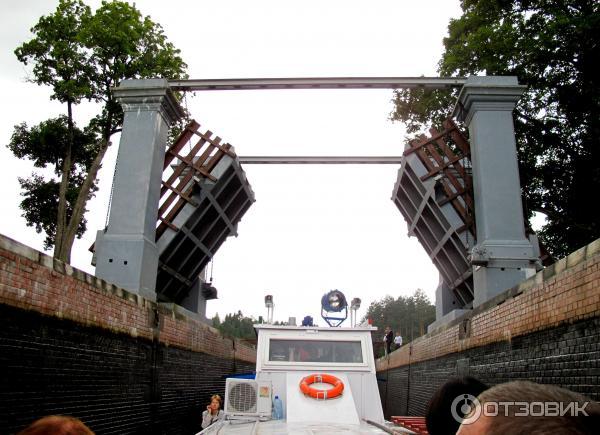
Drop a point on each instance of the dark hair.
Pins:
(439, 417)
(57, 425)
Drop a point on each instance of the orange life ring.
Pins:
(338, 386)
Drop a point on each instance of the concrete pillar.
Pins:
(126, 253)
(198, 295)
(503, 256)
(447, 307)
(445, 301)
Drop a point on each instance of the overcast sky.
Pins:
(312, 228)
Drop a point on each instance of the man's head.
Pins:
(527, 408)
(57, 425)
(439, 417)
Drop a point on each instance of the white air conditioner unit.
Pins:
(248, 397)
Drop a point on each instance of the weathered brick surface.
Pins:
(546, 330)
(73, 344)
(567, 355)
(34, 281)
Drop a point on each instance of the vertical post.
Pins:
(447, 307)
(503, 256)
(126, 252)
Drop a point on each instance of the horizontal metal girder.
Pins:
(317, 83)
(320, 160)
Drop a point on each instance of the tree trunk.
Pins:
(82, 198)
(84, 192)
(61, 218)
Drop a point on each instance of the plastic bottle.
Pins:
(277, 408)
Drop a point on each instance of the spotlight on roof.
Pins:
(268, 301)
(354, 306)
(334, 302)
(269, 305)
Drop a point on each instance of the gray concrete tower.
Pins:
(126, 253)
(503, 256)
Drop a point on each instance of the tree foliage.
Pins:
(45, 145)
(59, 58)
(409, 315)
(235, 325)
(83, 55)
(551, 46)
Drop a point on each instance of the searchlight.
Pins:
(334, 302)
(269, 305)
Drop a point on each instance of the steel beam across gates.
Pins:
(320, 160)
(317, 83)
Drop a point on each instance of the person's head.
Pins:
(439, 418)
(56, 425)
(522, 407)
(388, 329)
(215, 403)
(397, 333)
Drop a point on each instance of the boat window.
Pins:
(315, 351)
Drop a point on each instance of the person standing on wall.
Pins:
(388, 338)
(385, 332)
(398, 340)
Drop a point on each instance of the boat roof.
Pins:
(265, 326)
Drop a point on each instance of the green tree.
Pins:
(46, 144)
(409, 315)
(551, 46)
(81, 55)
(236, 325)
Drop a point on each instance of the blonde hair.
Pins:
(217, 398)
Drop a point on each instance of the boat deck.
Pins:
(282, 427)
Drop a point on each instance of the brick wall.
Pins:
(547, 329)
(72, 344)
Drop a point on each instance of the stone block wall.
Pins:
(547, 330)
(73, 344)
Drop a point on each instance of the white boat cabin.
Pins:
(288, 354)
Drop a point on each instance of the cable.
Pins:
(185, 103)
(112, 189)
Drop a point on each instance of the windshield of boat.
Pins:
(315, 351)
